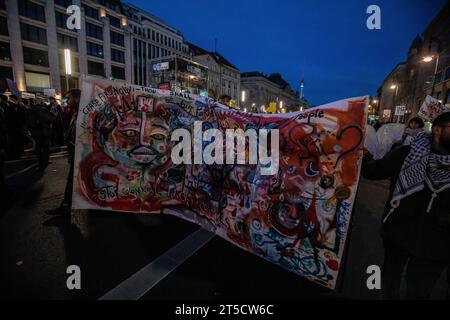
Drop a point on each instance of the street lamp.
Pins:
(68, 65)
(430, 57)
(395, 87)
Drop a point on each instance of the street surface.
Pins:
(111, 247)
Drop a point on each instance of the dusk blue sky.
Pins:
(326, 42)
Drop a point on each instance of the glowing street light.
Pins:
(428, 59)
(393, 87)
(243, 96)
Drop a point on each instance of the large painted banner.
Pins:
(287, 198)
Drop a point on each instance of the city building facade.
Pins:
(262, 93)
(425, 72)
(37, 34)
(150, 40)
(391, 92)
(115, 41)
(433, 77)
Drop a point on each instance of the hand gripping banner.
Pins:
(282, 187)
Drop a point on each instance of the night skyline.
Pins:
(309, 42)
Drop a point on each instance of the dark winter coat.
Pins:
(423, 235)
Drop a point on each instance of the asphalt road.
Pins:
(110, 247)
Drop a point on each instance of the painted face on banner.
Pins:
(139, 140)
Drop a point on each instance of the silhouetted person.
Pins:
(40, 121)
(73, 103)
(16, 125)
(58, 125)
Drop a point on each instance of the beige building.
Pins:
(260, 92)
(391, 92)
(223, 77)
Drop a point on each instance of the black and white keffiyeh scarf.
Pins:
(421, 166)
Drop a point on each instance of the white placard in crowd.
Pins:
(49, 92)
(400, 110)
(386, 113)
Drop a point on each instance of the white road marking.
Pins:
(142, 281)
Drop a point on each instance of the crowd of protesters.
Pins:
(31, 125)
